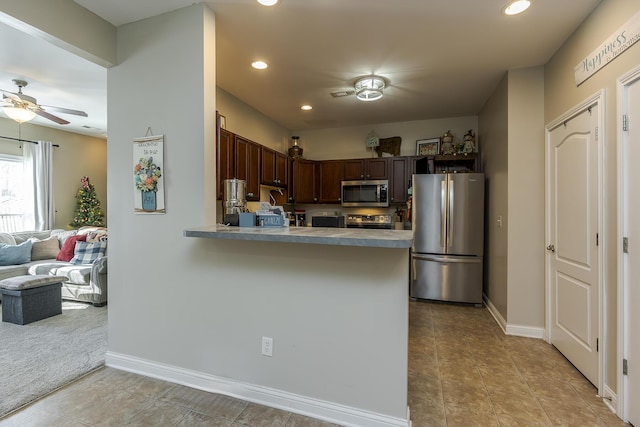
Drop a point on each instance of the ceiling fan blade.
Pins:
(51, 117)
(8, 94)
(65, 110)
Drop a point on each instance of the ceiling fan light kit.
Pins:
(22, 108)
(20, 115)
(369, 88)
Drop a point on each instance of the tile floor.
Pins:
(463, 371)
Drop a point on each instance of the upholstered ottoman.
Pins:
(26, 299)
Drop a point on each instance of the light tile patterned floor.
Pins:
(463, 371)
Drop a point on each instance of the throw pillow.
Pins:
(15, 254)
(44, 249)
(63, 235)
(7, 239)
(87, 253)
(68, 248)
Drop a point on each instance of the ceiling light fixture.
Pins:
(369, 88)
(306, 107)
(267, 2)
(18, 114)
(516, 7)
(259, 65)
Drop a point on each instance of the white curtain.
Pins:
(38, 162)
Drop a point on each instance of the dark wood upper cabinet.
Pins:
(374, 168)
(304, 182)
(377, 168)
(248, 166)
(274, 168)
(330, 174)
(399, 181)
(225, 158)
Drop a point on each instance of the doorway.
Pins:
(575, 238)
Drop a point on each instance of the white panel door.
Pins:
(631, 195)
(573, 232)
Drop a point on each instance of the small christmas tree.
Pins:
(88, 210)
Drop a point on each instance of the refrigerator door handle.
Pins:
(447, 259)
(450, 213)
(443, 213)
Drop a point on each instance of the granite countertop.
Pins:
(401, 239)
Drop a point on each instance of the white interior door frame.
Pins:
(623, 281)
(599, 100)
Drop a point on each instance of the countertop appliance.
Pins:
(363, 192)
(370, 221)
(448, 240)
(327, 221)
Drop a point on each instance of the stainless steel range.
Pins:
(369, 221)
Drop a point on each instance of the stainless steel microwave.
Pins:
(365, 193)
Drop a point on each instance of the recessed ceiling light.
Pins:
(259, 65)
(306, 107)
(516, 7)
(267, 2)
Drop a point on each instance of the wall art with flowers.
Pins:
(148, 171)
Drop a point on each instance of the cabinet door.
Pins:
(353, 169)
(377, 168)
(225, 157)
(268, 176)
(398, 182)
(248, 166)
(330, 174)
(304, 181)
(282, 173)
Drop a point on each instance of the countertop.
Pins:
(400, 239)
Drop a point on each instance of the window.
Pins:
(12, 193)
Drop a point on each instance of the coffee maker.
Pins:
(235, 201)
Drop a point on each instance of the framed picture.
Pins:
(428, 147)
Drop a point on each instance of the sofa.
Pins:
(86, 271)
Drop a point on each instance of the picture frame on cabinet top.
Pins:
(428, 147)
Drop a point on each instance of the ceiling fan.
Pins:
(20, 101)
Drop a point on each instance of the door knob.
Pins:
(551, 248)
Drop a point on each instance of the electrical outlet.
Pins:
(267, 346)
(499, 221)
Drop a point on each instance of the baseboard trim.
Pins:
(320, 409)
(510, 329)
(525, 331)
(610, 399)
(495, 313)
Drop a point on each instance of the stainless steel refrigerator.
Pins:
(448, 237)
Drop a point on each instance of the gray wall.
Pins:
(202, 305)
(494, 134)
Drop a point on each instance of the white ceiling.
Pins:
(441, 58)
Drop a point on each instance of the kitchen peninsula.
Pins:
(336, 307)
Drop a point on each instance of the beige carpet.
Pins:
(42, 356)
